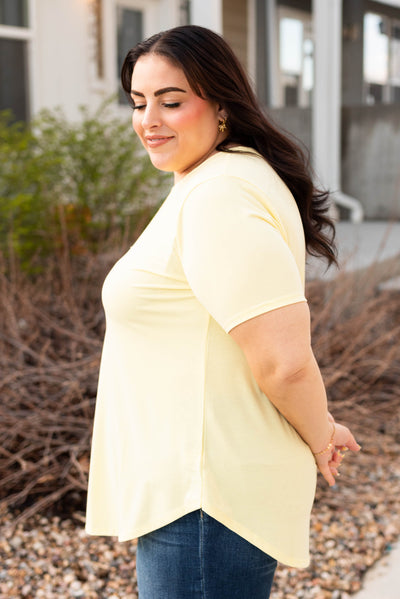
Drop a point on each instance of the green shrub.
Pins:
(72, 187)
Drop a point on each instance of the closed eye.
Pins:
(166, 105)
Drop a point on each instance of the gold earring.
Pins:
(222, 125)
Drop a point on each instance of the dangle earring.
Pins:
(222, 125)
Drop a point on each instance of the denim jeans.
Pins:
(197, 557)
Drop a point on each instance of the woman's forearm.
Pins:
(301, 398)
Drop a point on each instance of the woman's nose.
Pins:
(151, 117)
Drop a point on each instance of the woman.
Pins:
(211, 413)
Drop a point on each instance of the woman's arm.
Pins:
(277, 346)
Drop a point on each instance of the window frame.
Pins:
(96, 43)
(149, 9)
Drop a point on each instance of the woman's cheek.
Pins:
(187, 116)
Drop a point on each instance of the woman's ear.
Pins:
(222, 114)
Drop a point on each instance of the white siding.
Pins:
(61, 67)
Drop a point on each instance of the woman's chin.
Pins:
(160, 163)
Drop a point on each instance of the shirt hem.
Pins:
(135, 533)
(254, 539)
(262, 309)
(245, 533)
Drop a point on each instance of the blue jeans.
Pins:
(197, 557)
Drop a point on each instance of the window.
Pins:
(129, 33)
(13, 78)
(381, 59)
(14, 87)
(14, 13)
(296, 62)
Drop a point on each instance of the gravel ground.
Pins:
(353, 525)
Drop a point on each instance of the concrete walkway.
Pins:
(382, 581)
(359, 246)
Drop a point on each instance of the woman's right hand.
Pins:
(342, 441)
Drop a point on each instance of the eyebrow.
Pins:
(159, 92)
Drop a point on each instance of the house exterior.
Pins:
(326, 70)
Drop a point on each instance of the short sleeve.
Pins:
(234, 252)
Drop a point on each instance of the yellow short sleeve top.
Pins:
(180, 421)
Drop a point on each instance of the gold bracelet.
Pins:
(330, 445)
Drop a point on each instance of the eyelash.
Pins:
(171, 105)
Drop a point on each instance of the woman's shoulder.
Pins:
(246, 163)
(244, 167)
(235, 180)
(239, 180)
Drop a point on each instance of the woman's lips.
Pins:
(156, 141)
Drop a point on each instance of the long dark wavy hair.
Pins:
(214, 73)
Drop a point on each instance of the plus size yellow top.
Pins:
(180, 421)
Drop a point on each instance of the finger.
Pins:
(337, 458)
(327, 474)
(352, 444)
